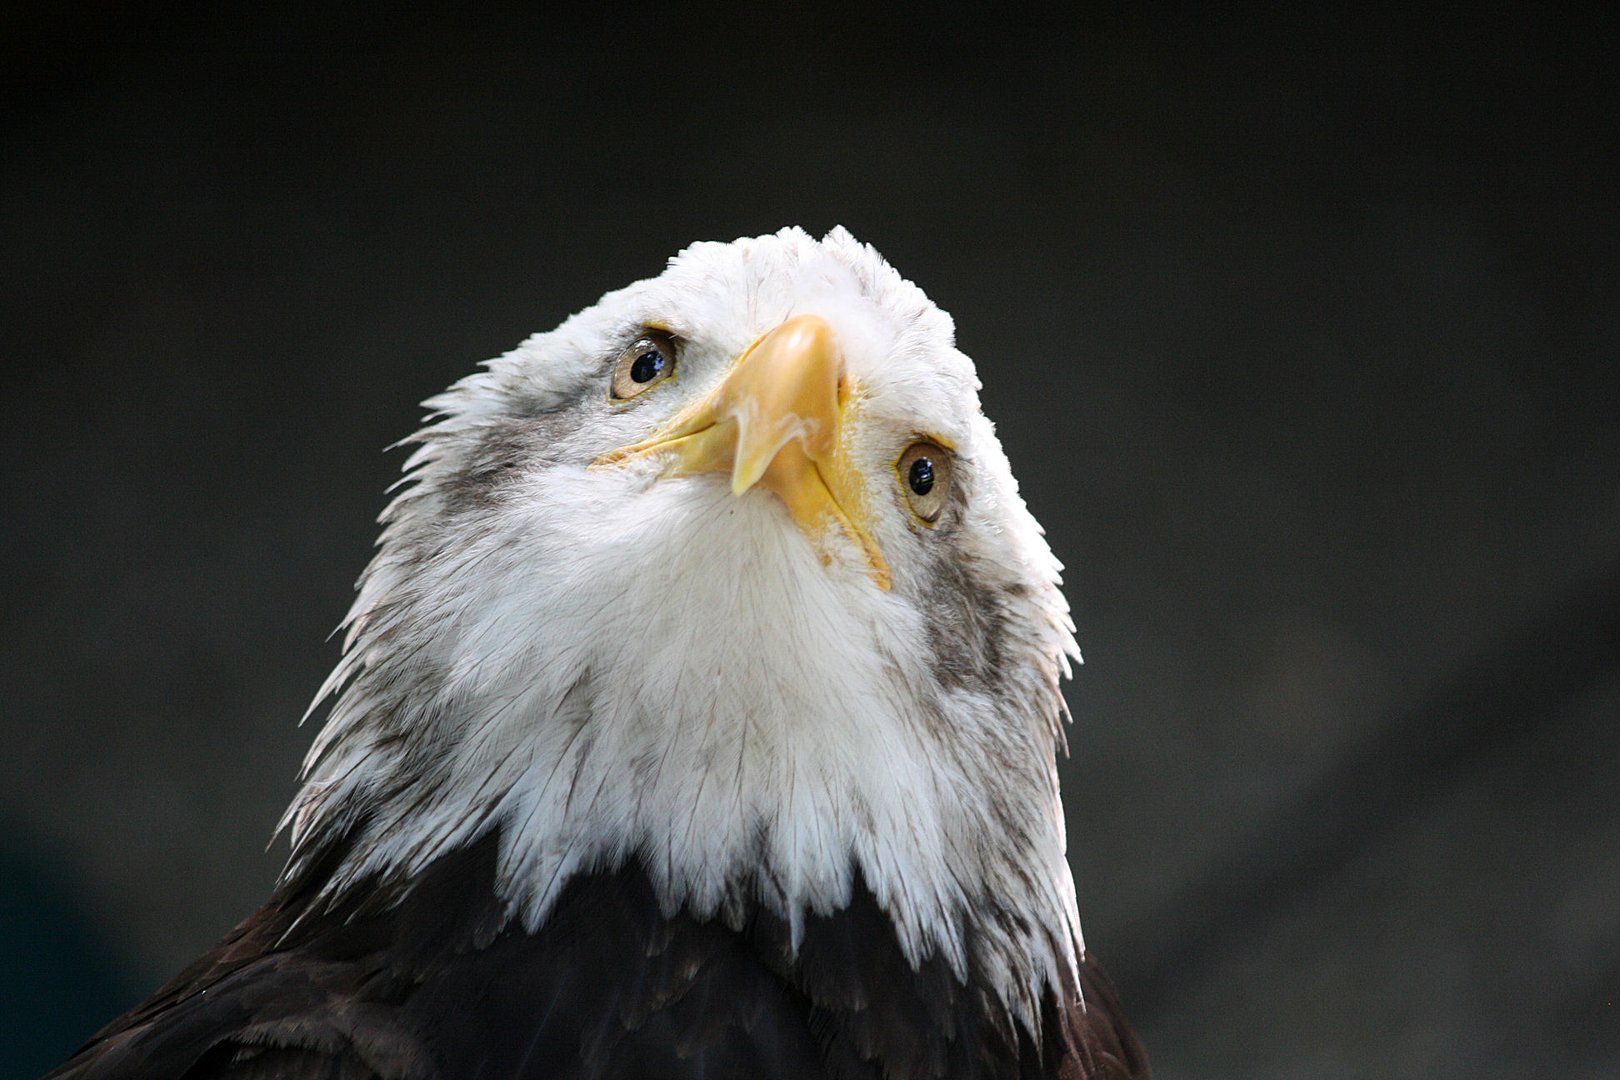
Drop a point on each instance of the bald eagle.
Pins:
(697, 717)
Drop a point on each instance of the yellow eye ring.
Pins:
(924, 471)
(650, 360)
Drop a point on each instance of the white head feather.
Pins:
(604, 665)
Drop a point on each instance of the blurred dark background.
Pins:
(1300, 328)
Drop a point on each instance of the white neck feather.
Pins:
(709, 698)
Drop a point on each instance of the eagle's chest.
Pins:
(612, 986)
(434, 982)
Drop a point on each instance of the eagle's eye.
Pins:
(646, 363)
(925, 476)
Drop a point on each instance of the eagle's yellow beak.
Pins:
(776, 421)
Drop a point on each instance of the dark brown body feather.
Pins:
(435, 984)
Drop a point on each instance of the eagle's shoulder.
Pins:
(436, 983)
(1096, 1040)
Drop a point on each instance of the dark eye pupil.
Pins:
(921, 477)
(648, 366)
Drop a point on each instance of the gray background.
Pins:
(1300, 330)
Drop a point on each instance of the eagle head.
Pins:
(727, 575)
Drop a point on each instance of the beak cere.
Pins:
(776, 422)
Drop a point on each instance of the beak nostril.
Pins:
(774, 422)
